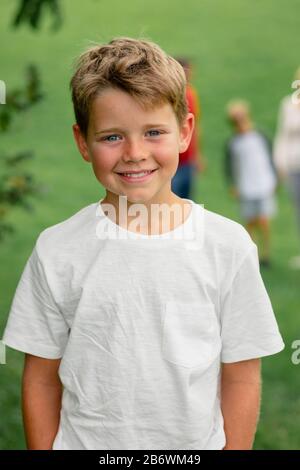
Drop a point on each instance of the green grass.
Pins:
(240, 49)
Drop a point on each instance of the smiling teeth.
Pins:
(137, 175)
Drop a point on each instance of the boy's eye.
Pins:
(156, 132)
(110, 138)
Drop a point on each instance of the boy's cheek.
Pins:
(105, 160)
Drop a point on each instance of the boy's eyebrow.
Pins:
(116, 129)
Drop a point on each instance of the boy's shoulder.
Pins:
(230, 140)
(225, 234)
(73, 230)
(237, 136)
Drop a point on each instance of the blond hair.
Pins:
(137, 66)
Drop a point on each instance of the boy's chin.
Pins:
(137, 199)
(128, 198)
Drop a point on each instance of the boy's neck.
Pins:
(243, 127)
(151, 226)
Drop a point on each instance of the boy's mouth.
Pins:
(137, 176)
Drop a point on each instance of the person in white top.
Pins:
(140, 331)
(251, 174)
(287, 148)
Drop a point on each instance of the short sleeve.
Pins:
(35, 324)
(248, 325)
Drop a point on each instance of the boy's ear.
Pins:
(186, 132)
(81, 142)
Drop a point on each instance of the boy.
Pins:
(137, 341)
(250, 170)
(191, 160)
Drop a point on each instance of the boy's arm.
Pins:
(41, 401)
(228, 170)
(269, 146)
(240, 402)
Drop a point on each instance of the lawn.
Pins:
(243, 49)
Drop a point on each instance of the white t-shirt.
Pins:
(142, 325)
(252, 169)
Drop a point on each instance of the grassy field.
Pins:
(244, 49)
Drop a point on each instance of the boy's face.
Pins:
(123, 137)
(238, 117)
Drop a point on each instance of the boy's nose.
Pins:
(134, 150)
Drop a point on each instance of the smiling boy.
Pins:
(145, 341)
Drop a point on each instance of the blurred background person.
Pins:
(252, 176)
(287, 150)
(191, 162)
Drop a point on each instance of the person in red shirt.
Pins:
(191, 161)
